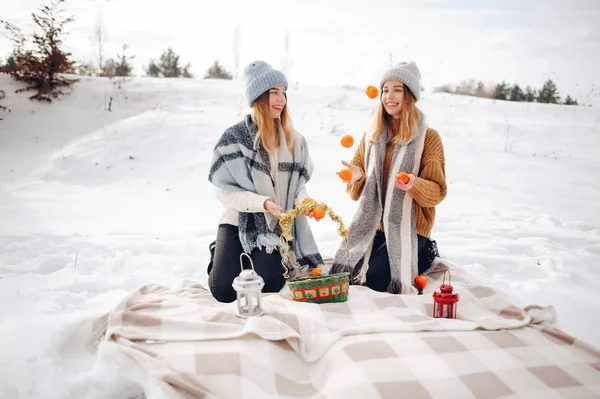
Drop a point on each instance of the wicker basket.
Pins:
(321, 289)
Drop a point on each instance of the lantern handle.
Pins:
(449, 277)
(242, 263)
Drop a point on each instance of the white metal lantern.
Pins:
(248, 286)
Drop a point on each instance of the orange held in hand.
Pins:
(372, 92)
(345, 174)
(347, 141)
(318, 213)
(420, 282)
(403, 177)
(316, 272)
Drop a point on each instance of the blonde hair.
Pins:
(410, 117)
(267, 130)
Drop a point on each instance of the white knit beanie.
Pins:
(260, 77)
(407, 73)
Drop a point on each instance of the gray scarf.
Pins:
(397, 213)
(238, 166)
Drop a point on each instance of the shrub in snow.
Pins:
(41, 64)
(216, 71)
(119, 67)
(2, 107)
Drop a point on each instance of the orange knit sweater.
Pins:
(429, 188)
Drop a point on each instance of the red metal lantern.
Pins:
(444, 302)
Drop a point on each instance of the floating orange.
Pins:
(403, 177)
(345, 174)
(316, 272)
(347, 141)
(420, 282)
(372, 92)
(318, 213)
(307, 200)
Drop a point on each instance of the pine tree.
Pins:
(549, 93)
(516, 94)
(123, 67)
(501, 91)
(168, 66)
(570, 101)
(153, 69)
(530, 94)
(41, 66)
(216, 71)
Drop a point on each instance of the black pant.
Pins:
(379, 275)
(225, 265)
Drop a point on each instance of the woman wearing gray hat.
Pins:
(398, 175)
(260, 167)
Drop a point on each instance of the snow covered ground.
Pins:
(95, 203)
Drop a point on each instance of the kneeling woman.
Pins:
(389, 238)
(260, 167)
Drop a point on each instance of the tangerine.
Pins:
(318, 213)
(347, 141)
(372, 92)
(420, 282)
(345, 174)
(403, 177)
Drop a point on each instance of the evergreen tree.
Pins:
(516, 94)
(570, 101)
(216, 71)
(530, 94)
(168, 66)
(549, 93)
(122, 66)
(501, 91)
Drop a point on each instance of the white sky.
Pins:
(348, 41)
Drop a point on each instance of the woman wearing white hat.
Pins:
(390, 234)
(260, 167)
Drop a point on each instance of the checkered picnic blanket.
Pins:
(375, 345)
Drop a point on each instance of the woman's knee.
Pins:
(221, 287)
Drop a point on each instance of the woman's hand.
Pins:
(405, 186)
(308, 213)
(356, 173)
(273, 208)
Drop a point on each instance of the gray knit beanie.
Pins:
(260, 77)
(406, 72)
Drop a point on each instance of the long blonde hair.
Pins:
(410, 117)
(267, 130)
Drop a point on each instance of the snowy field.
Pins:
(95, 203)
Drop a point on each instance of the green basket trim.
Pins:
(321, 289)
(312, 281)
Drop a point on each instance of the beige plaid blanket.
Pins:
(183, 344)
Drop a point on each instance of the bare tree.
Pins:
(100, 37)
(237, 44)
(287, 45)
(390, 51)
(386, 37)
